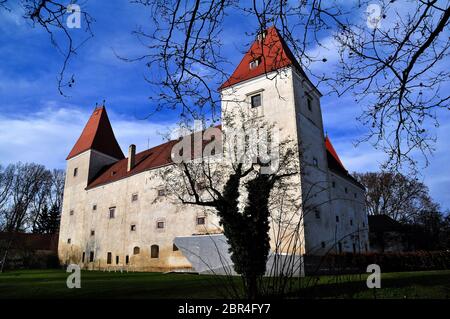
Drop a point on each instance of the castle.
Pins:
(116, 214)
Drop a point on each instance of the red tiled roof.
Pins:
(150, 159)
(274, 54)
(97, 135)
(146, 160)
(332, 151)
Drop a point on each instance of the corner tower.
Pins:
(95, 148)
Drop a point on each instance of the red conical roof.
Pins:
(97, 135)
(332, 151)
(273, 54)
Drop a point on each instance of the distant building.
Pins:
(386, 234)
(116, 214)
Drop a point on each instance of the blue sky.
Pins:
(37, 124)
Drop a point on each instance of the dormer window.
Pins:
(255, 63)
(255, 100)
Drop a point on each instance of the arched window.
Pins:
(155, 251)
(136, 250)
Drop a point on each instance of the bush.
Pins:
(388, 262)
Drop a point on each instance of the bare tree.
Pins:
(398, 196)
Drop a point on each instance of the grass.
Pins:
(95, 284)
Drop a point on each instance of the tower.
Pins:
(270, 84)
(95, 148)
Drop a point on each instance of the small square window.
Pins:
(112, 212)
(69, 240)
(94, 207)
(256, 100)
(134, 197)
(161, 192)
(315, 162)
(201, 220)
(337, 219)
(160, 225)
(92, 232)
(253, 64)
(71, 212)
(75, 171)
(133, 227)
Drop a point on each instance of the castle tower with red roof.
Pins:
(115, 211)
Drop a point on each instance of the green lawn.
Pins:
(95, 284)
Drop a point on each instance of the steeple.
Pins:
(269, 52)
(98, 135)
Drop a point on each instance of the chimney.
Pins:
(131, 157)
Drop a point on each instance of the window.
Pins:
(134, 197)
(317, 213)
(91, 256)
(309, 103)
(127, 259)
(112, 212)
(365, 247)
(253, 64)
(256, 100)
(174, 247)
(154, 251)
(94, 207)
(337, 219)
(108, 259)
(364, 224)
(351, 222)
(322, 244)
(355, 195)
(333, 184)
(340, 247)
(117, 260)
(133, 227)
(71, 212)
(315, 162)
(83, 257)
(92, 232)
(201, 220)
(69, 240)
(346, 190)
(354, 248)
(161, 192)
(136, 250)
(160, 225)
(113, 173)
(75, 171)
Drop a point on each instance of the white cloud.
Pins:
(47, 136)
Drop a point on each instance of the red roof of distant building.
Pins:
(332, 151)
(97, 135)
(273, 53)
